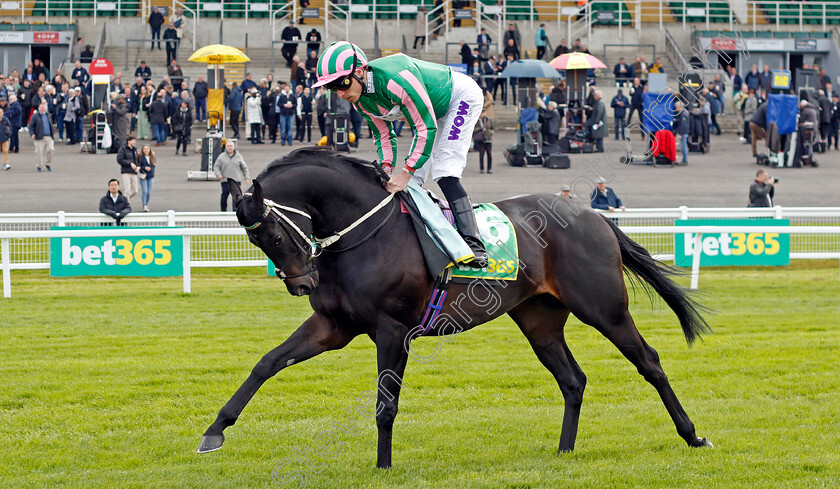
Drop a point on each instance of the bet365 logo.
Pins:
(148, 256)
(123, 252)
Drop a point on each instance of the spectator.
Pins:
(511, 50)
(719, 91)
(808, 113)
(291, 35)
(457, 5)
(682, 127)
(143, 71)
(439, 12)
(749, 106)
(637, 92)
(248, 83)
(623, 72)
(285, 110)
(540, 39)
(144, 100)
(253, 113)
(119, 127)
(420, 27)
(77, 49)
(597, 124)
(298, 73)
(147, 174)
(200, 94)
(834, 131)
(467, 57)
(511, 35)
(566, 191)
(758, 126)
(114, 202)
(298, 120)
(313, 43)
(752, 79)
(155, 22)
(764, 81)
(42, 131)
(552, 123)
(170, 38)
(321, 107)
(561, 48)
(175, 73)
(762, 190)
(25, 95)
(80, 75)
(72, 114)
(84, 105)
(311, 68)
(127, 159)
(234, 103)
(714, 107)
(640, 69)
(303, 4)
(619, 104)
(604, 197)
(15, 115)
(825, 115)
(158, 112)
(656, 67)
(5, 136)
(87, 54)
(182, 121)
(230, 165)
(823, 80)
(484, 40)
(735, 79)
(58, 79)
(483, 139)
(304, 113)
(177, 21)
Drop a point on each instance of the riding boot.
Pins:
(468, 229)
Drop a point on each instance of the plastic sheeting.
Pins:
(783, 109)
(658, 110)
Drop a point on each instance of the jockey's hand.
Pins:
(398, 182)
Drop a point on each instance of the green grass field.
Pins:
(110, 383)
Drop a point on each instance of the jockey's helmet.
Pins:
(337, 64)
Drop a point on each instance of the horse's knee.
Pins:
(386, 416)
(572, 391)
(653, 374)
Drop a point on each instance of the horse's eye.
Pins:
(278, 240)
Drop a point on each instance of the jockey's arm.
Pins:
(411, 96)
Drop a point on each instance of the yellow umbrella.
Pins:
(219, 54)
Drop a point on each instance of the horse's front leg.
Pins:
(391, 358)
(316, 335)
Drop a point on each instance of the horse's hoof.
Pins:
(210, 443)
(703, 442)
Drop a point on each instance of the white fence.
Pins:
(215, 239)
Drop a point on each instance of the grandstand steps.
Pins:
(548, 10)
(650, 12)
(319, 4)
(755, 15)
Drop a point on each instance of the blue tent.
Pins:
(526, 116)
(658, 110)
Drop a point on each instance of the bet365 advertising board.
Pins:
(733, 249)
(136, 256)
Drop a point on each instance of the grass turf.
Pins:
(110, 382)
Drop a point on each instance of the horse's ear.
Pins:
(257, 194)
(235, 190)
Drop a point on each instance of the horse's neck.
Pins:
(335, 198)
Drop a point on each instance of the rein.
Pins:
(312, 244)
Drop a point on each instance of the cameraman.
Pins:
(762, 189)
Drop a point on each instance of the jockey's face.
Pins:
(353, 93)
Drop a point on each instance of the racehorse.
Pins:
(370, 278)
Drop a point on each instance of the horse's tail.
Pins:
(656, 276)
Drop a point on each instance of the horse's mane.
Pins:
(324, 158)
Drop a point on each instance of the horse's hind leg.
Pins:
(541, 319)
(616, 324)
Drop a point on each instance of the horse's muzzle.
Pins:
(302, 285)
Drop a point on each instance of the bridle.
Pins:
(311, 246)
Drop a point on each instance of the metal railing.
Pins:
(215, 239)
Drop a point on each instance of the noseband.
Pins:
(311, 246)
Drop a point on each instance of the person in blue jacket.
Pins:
(604, 197)
(15, 115)
(619, 104)
(234, 103)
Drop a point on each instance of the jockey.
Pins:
(442, 107)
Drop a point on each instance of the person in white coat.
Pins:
(254, 116)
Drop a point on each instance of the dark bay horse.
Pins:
(373, 281)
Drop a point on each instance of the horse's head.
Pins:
(281, 235)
